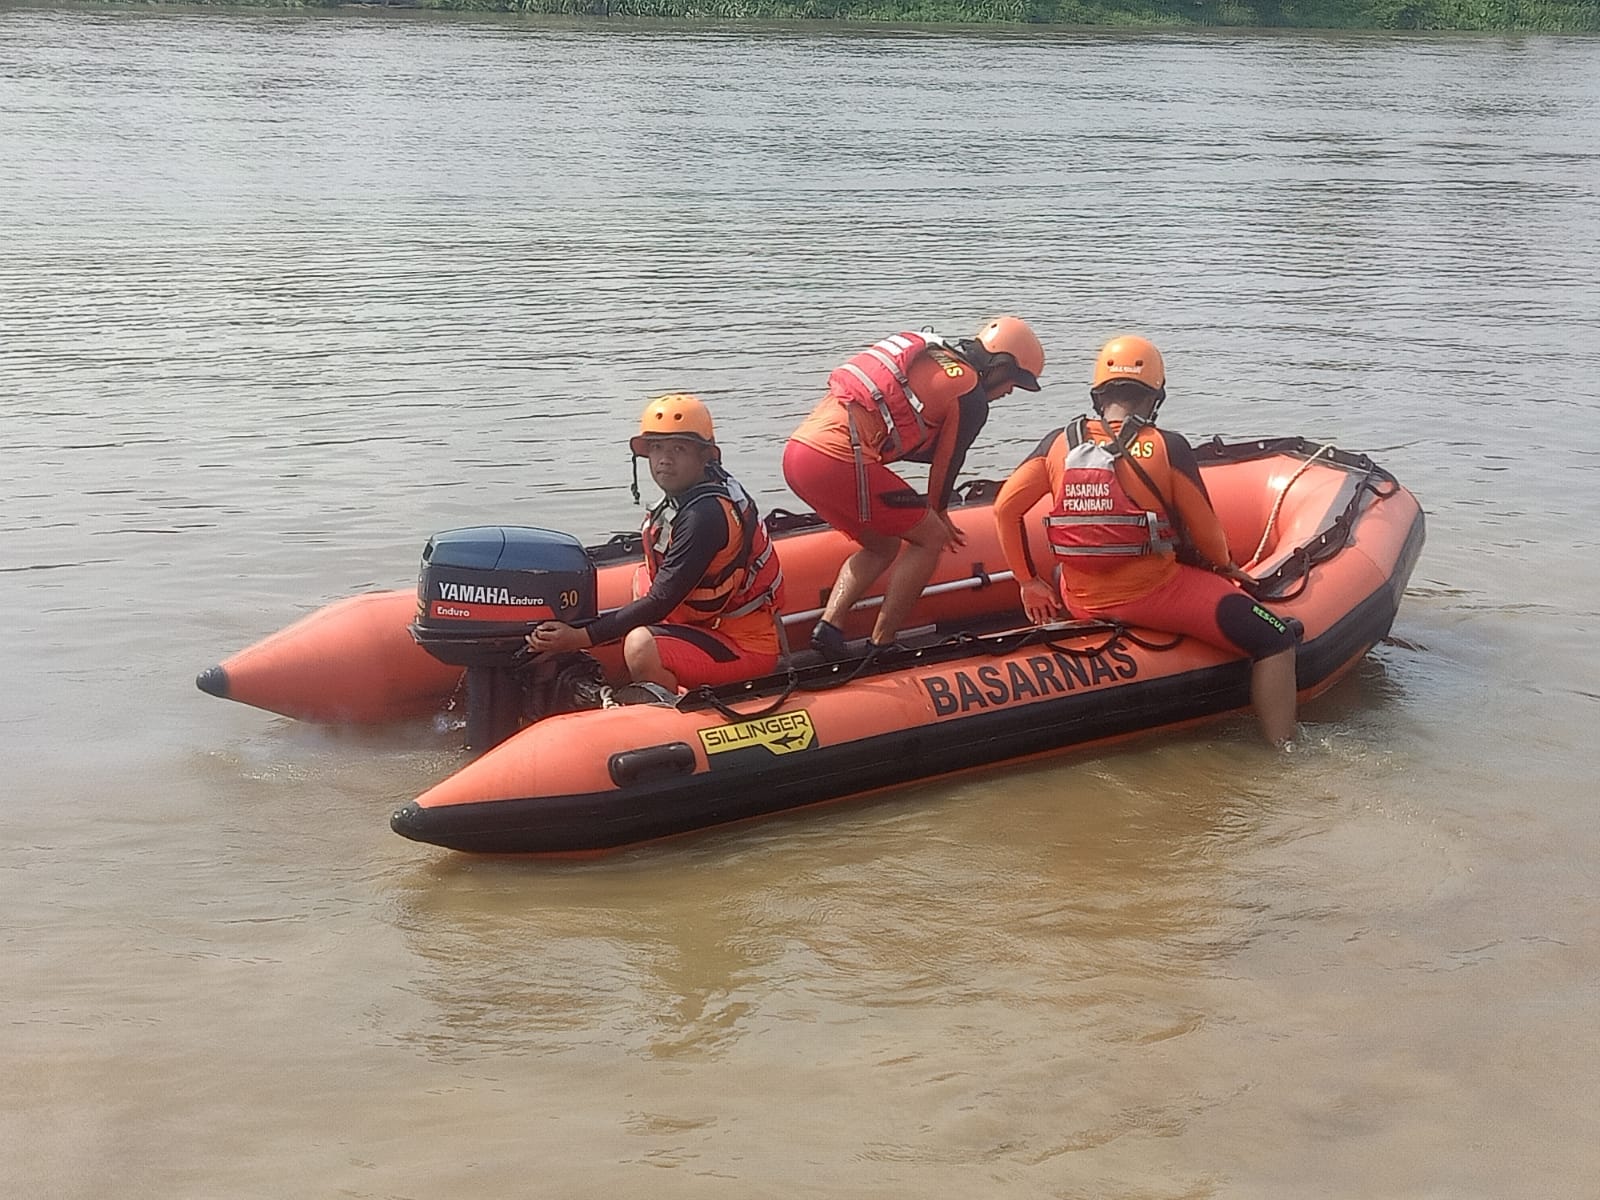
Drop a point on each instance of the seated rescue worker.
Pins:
(1135, 536)
(911, 397)
(705, 599)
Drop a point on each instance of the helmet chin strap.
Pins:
(994, 368)
(715, 471)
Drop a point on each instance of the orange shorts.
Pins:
(832, 488)
(1205, 606)
(696, 656)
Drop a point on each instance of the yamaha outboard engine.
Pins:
(480, 593)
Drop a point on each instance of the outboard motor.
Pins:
(480, 593)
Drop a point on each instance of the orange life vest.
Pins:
(745, 575)
(1095, 525)
(878, 378)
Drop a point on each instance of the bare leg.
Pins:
(1272, 693)
(643, 656)
(877, 551)
(924, 543)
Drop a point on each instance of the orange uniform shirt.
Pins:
(938, 378)
(1169, 462)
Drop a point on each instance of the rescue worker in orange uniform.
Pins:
(1134, 536)
(912, 397)
(706, 597)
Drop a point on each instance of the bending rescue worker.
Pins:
(915, 397)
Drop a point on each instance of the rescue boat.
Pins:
(1330, 537)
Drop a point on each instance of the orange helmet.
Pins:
(677, 414)
(1129, 357)
(1012, 335)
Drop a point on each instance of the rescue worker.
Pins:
(1134, 534)
(911, 397)
(705, 598)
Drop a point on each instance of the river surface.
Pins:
(282, 294)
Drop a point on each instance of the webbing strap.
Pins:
(863, 495)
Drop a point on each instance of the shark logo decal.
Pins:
(785, 733)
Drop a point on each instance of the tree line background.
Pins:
(1551, 16)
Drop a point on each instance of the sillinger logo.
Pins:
(781, 734)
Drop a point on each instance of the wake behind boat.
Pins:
(1330, 537)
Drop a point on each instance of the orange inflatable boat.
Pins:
(1330, 537)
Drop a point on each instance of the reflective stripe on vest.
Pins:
(743, 577)
(1094, 519)
(768, 593)
(878, 378)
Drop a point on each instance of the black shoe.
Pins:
(644, 693)
(828, 641)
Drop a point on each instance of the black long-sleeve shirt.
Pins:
(699, 534)
(972, 415)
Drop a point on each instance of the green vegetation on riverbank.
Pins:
(1548, 16)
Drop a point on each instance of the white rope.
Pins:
(1277, 505)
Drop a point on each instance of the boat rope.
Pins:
(1296, 566)
(1125, 634)
(1048, 636)
(1277, 505)
(707, 696)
